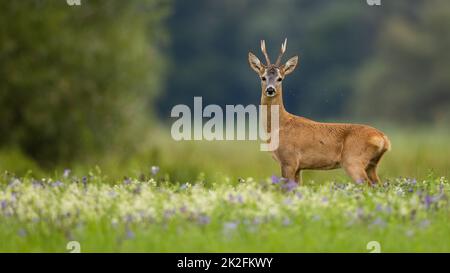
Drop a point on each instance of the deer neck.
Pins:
(275, 101)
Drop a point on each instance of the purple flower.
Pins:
(204, 219)
(359, 181)
(183, 209)
(324, 200)
(22, 232)
(230, 226)
(388, 209)
(230, 197)
(289, 186)
(58, 184)
(275, 179)
(379, 207)
(183, 187)
(127, 181)
(168, 213)
(84, 181)
(428, 201)
(66, 173)
(240, 199)
(378, 222)
(130, 234)
(154, 170)
(286, 221)
(3, 204)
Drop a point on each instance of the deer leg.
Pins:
(289, 172)
(357, 172)
(298, 176)
(371, 171)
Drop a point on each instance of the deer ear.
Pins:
(255, 63)
(290, 65)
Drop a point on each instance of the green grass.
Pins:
(216, 212)
(246, 216)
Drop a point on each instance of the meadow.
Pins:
(227, 197)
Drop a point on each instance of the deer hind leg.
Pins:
(356, 171)
(371, 169)
(298, 176)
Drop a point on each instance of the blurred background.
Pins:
(92, 86)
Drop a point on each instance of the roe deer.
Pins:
(305, 144)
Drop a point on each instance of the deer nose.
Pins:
(270, 91)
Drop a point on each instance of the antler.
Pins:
(263, 49)
(282, 50)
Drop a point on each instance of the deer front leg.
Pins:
(289, 172)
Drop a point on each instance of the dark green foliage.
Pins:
(408, 78)
(76, 80)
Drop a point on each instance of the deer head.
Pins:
(272, 75)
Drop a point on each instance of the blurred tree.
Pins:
(408, 79)
(74, 80)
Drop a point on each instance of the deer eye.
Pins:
(279, 79)
(263, 79)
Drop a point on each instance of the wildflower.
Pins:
(112, 194)
(288, 201)
(58, 184)
(289, 186)
(84, 181)
(66, 173)
(168, 213)
(428, 201)
(183, 209)
(286, 221)
(3, 204)
(183, 186)
(240, 199)
(388, 209)
(230, 226)
(154, 170)
(378, 222)
(425, 223)
(204, 219)
(22, 232)
(127, 181)
(275, 179)
(130, 234)
(359, 181)
(378, 207)
(128, 218)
